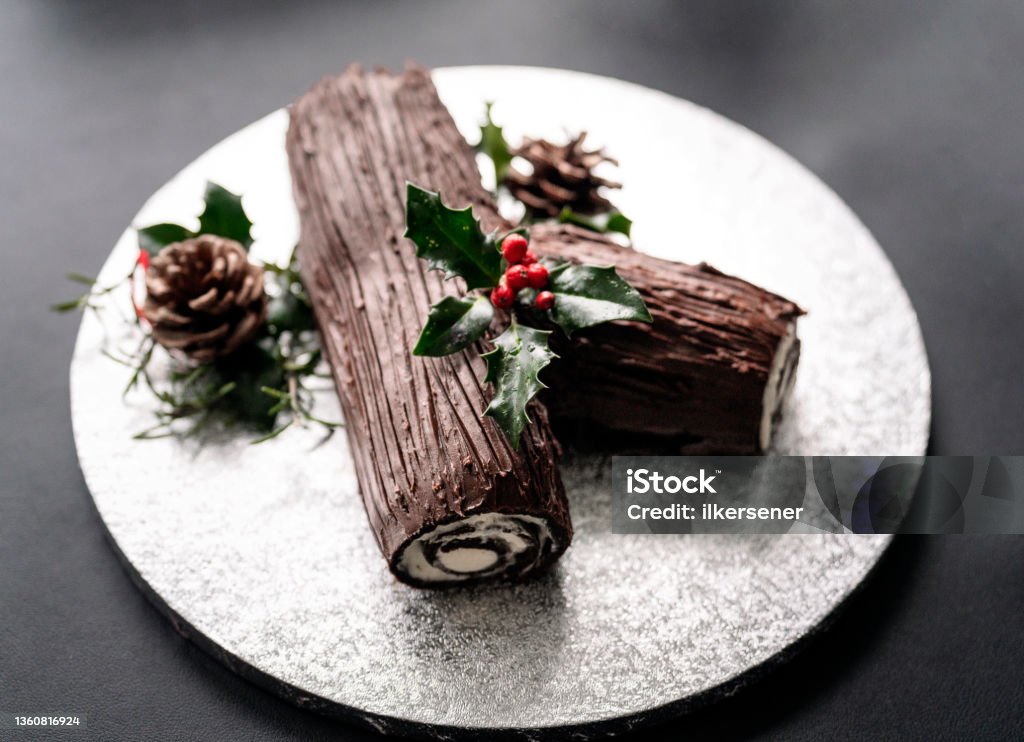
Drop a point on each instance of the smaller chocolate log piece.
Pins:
(709, 375)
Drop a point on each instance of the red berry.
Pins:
(536, 275)
(544, 300)
(528, 258)
(143, 260)
(502, 296)
(513, 248)
(517, 277)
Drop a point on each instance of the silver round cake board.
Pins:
(262, 554)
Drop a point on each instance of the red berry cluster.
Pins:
(523, 272)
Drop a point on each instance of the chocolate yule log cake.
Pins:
(449, 498)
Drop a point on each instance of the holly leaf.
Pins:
(158, 236)
(587, 295)
(451, 239)
(512, 367)
(454, 324)
(224, 215)
(493, 144)
(612, 221)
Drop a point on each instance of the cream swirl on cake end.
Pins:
(478, 547)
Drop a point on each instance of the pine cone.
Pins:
(562, 175)
(204, 297)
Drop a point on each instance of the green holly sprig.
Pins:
(568, 295)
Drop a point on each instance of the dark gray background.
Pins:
(913, 112)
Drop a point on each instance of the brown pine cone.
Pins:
(562, 175)
(203, 297)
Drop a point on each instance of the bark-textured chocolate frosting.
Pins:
(708, 375)
(448, 497)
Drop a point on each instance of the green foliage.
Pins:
(519, 354)
(587, 295)
(153, 238)
(454, 324)
(89, 300)
(451, 240)
(224, 215)
(493, 144)
(612, 221)
(264, 385)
